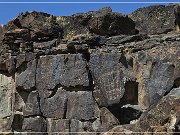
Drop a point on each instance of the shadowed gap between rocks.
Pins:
(24, 94)
(22, 67)
(175, 85)
(131, 93)
(124, 114)
(127, 109)
(17, 122)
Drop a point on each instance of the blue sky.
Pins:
(9, 11)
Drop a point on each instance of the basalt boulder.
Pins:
(154, 19)
(112, 24)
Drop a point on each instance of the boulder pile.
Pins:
(98, 72)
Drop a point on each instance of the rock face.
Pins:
(91, 72)
(154, 19)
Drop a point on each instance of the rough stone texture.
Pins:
(78, 127)
(108, 77)
(154, 19)
(40, 25)
(108, 120)
(166, 109)
(60, 125)
(55, 105)
(112, 24)
(63, 69)
(34, 124)
(6, 89)
(31, 107)
(81, 106)
(154, 83)
(79, 23)
(91, 72)
(26, 80)
(129, 129)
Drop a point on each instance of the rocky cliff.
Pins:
(92, 72)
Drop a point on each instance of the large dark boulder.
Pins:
(154, 19)
(111, 24)
(79, 23)
(42, 26)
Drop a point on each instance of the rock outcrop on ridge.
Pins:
(99, 72)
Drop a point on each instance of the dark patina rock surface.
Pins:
(98, 72)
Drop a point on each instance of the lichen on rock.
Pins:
(95, 72)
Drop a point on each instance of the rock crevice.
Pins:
(91, 72)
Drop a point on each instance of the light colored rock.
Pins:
(7, 86)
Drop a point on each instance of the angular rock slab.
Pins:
(112, 24)
(166, 109)
(34, 124)
(7, 87)
(169, 53)
(132, 129)
(55, 105)
(41, 24)
(60, 125)
(108, 120)
(155, 78)
(154, 19)
(78, 127)
(81, 106)
(32, 105)
(108, 77)
(61, 69)
(27, 79)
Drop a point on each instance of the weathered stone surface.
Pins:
(155, 83)
(6, 91)
(16, 36)
(90, 39)
(42, 26)
(23, 59)
(34, 124)
(108, 120)
(112, 24)
(108, 77)
(60, 125)
(75, 47)
(18, 102)
(63, 69)
(27, 79)
(81, 106)
(7, 63)
(55, 105)
(156, 73)
(122, 39)
(79, 23)
(87, 73)
(169, 53)
(1, 33)
(5, 125)
(44, 47)
(78, 127)
(32, 105)
(130, 129)
(154, 19)
(166, 113)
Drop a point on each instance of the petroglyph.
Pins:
(112, 86)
